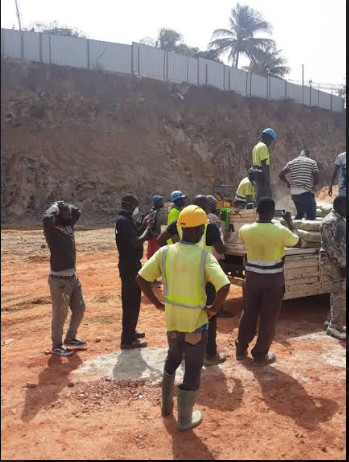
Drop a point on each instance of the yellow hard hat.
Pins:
(192, 216)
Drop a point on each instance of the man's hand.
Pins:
(330, 191)
(149, 220)
(343, 271)
(287, 216)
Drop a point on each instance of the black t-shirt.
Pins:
(125, 230)
(212, 234)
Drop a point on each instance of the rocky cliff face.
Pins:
(88, 137)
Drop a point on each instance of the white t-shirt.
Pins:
(341, 160)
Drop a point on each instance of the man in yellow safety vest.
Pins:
(178, 199)
(185, 269)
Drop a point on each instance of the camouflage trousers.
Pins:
(337, 285)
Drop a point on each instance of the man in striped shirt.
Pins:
(304, 175)
(264, 284)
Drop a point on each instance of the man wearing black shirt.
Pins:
(213, 239)
(129, 241)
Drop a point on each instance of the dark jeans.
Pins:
(131, 299)
(305, 204)
(261, 301)
(262, 188)
(211, 349)
(193, 357)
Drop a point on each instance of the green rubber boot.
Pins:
(187, 419)
(167, 393)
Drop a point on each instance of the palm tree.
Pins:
(169, 39)
(268, 62)
(239, 39)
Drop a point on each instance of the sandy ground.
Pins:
(103, 404)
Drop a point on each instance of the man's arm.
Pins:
(333, 179)
(282, 176)
(75, 213)
(146, 288)
(169, 233)
(49, 218)
(316, 178)
(220, 299)
(292, 227)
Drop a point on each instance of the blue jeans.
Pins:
(305, 204)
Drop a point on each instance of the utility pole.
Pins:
(18, 16)
(302, 83)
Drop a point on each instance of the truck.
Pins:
(303, 272)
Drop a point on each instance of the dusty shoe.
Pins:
(62, 351)
(336, 333)
(76, 343)
(268, 359)
(135, 344)
(217, 359)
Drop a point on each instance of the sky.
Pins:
(309, 32)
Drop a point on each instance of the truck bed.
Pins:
(303, 272)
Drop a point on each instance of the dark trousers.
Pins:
(262, 188)
(131, 299)
(211, 349)
(193, 357)
(261, 301)
(305, 204)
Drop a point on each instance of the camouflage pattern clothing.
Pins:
(332, 259)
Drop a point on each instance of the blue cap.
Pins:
(175, 195)
(270, 132)
(156, 199)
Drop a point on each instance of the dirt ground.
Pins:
(292, 410)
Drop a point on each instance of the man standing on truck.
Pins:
(333, 260)
(65, 287)
(185, 269)
(304, 174)
(211, 240)
(340, 165)
(245, 194)
(264, 284)
(261, 163)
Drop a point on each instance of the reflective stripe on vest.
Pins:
(188, 303)
(265, 267)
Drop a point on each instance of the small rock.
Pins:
(31, 385)
(98, 339)
(324, 449)
(108, 379)
(43, 246)
(14, 411)
(8, 341)
(47, 352)
(140, 396)
(71, 384)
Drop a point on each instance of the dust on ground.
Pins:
(105, 404)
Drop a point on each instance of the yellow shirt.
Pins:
(182, 264)
(260, 152)
(245, 188)
(173, 215)
(265, 244)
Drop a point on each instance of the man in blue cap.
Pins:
(261, 163)
(178, 200)
(153, 246)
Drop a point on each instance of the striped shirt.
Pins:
(301, 170)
